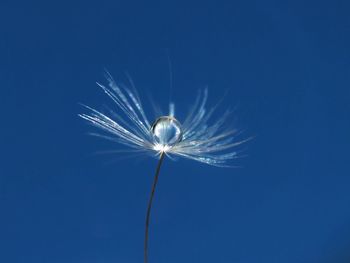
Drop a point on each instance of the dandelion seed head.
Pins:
(167, 131)
(200, 136)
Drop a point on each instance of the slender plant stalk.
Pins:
(155, 180)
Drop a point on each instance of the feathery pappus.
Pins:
(195, 138)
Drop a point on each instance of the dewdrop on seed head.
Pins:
(167, 132)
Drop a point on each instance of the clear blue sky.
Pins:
(285, 65)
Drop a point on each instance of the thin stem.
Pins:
(155, 180)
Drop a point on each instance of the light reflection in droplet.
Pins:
(167, 131)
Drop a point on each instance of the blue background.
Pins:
(286, 67)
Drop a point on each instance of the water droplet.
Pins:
(167, 131)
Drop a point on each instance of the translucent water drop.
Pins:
(167, 131)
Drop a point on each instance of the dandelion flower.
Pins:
(194, 138)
